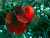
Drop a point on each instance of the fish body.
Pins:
(17, 22)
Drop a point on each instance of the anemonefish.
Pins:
(17, 20)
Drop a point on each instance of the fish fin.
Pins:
(9, 17)
(20, 28)
(18, 7)
(10, 28)
(19, 31)
(19, 10)
(22, 18)
(34, 17)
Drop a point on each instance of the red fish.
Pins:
(17, 21)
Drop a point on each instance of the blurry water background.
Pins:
(38, 28)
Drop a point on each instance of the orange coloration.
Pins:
(30, 12)
(17, 21)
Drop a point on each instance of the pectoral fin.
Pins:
(9, 17)
(22, 18)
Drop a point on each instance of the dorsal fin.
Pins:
(19, 9)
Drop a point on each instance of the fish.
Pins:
(17, 20)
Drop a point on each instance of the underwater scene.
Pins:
(24, 18)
